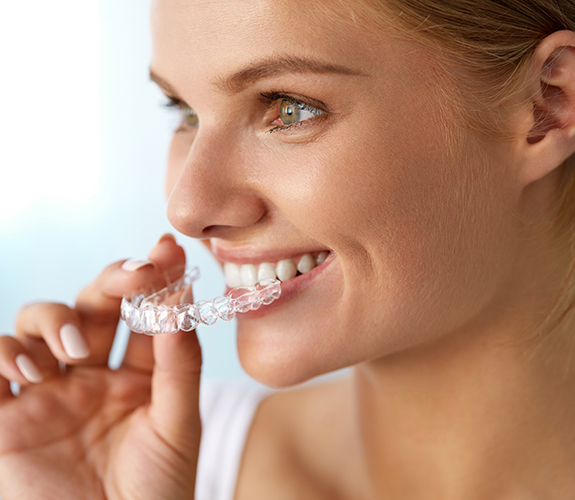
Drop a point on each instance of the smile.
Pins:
(284, 270)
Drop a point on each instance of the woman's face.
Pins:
(309, 133)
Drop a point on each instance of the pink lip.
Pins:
(291, 288)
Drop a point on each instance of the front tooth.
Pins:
(321, 258)
(306, 263)
(232, 274)
(286, 270)
(266, 271)
(248, 275)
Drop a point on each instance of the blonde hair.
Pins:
(492, 43)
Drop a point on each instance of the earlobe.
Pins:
(551, 138)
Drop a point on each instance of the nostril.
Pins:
(218, 231)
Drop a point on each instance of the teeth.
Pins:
(286, 270)
(250, 274)
(266, 271)
(306, 263)
(232, 274)
(321, 258)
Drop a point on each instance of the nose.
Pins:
(214, 194)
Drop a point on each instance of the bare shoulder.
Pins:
(296, 442)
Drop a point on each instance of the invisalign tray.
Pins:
(146, 311)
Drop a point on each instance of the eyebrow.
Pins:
(242, 79)
(163, 84)
(245, 77)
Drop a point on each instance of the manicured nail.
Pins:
(73, 342)
(167, 236)
(29, 369)
(135, 264)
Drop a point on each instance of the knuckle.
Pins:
(34, 316)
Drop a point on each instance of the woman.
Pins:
(427, 146)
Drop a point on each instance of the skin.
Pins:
(438, 269)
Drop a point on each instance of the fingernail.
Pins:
(167, 236)
(135, 264)
(29, 369)
(73, 342)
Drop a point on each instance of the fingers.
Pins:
(16, 364)
(176, 361)
(98, 305)
(175, 389)
(56, 325)
(100, 300)
(84, 334)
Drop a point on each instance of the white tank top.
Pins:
(227, 411)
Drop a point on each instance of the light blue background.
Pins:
(51, 249)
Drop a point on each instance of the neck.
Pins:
(469, 417)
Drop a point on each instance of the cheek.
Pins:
(423, 235)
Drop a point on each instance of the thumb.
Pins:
(175, 389)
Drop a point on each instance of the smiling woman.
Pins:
(402, 168)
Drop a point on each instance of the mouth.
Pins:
(248, 274)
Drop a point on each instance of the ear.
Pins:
(549, 132)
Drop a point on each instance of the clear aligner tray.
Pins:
(147, 312)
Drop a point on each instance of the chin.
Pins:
(281, 361)
(276, 377)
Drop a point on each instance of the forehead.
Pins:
(220, 36)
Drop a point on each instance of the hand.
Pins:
(88, 432)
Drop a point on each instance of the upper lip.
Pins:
(253, 255)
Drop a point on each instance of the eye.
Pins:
(291, 111)
(190, 116)
(187, 115)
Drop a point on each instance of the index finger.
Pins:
(98, 305)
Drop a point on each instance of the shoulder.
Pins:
(295, 438)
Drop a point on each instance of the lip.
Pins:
(291, 288)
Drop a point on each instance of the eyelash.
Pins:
(173, 103)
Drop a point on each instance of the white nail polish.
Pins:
(28, 368)
(135, 264)
(73, 342)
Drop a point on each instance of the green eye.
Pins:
(190, 116)
(289, 112)
(294, 112)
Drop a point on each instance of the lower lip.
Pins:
(291, 288)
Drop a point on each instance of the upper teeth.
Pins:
(249, 274)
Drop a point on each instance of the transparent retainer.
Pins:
(147, 311)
